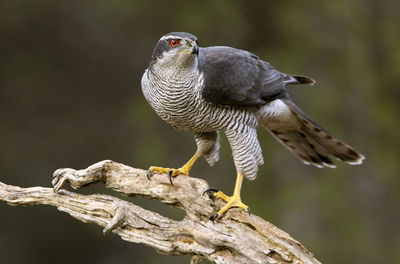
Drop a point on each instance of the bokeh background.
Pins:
(70, 96)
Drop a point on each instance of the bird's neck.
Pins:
(175, 69)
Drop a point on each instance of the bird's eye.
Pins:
(174, 42)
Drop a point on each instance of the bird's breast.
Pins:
(175, 101)
(180, 104)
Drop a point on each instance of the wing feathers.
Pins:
(238, 77)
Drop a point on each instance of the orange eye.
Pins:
(174, 42)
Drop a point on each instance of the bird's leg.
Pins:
(231, 201)
(175, 172)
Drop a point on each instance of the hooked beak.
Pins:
(194, 48)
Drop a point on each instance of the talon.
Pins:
(209, 190)
(231, 201)
(170, 176)
(170, 172)
(212, 218)
(149, 174)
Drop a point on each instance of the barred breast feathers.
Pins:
(179, 102)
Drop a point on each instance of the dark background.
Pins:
(70, 96)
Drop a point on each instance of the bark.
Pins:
(236, 237)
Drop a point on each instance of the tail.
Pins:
(308, 141)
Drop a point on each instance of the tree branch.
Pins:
(236, 237)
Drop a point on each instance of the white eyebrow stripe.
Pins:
(170, 37)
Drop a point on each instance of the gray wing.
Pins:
(238, 77)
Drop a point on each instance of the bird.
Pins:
(219, 89)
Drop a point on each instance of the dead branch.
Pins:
(234, 238)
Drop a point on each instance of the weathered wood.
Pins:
(236, 237)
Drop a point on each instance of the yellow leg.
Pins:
(189, 164)
(231, 201)
(175, 172)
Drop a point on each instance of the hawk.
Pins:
(218, 88)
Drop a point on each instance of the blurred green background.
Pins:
(70, 96)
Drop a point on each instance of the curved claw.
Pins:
(248, 210)
(212, 218)
(209, 190)
(170, 176)
(149, 174)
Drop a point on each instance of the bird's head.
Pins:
(175, 49)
